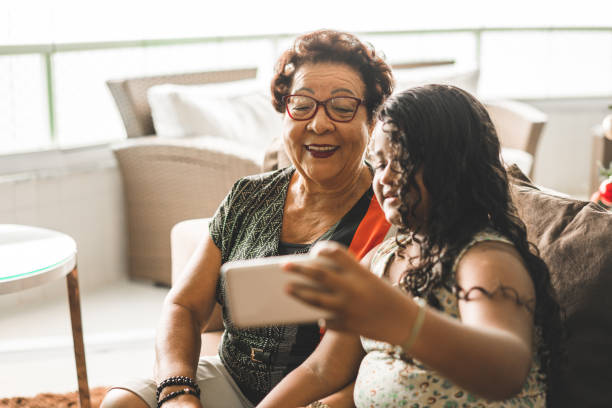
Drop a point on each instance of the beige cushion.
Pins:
(239, 111)
(185, 237)
(575, 240)
(521, 158)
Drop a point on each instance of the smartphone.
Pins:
(255, 292)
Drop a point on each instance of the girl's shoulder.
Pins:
(490, 234)
(383, 253)
(486, 235)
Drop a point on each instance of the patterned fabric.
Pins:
(248, 225)
(389, 378)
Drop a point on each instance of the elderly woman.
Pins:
(328, 85)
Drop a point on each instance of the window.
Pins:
(56, 56)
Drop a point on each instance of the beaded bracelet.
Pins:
(177, 380)
(175, 394)
(418, 323)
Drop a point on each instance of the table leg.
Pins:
(72, 281)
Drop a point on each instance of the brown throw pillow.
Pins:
(575, 240)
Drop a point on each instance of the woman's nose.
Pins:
(321, 123)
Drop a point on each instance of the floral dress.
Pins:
(388, 378)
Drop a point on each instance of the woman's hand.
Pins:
(360, 302)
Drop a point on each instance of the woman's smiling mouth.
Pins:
(321, 151)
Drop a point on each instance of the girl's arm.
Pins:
(493, 339)
(332, 366)
(487, 352)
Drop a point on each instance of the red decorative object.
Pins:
(603, 196)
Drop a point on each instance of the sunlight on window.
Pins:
(75, 108)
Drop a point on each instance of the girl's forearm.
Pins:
(342, 398)
(299, 388)
(471, 356)
(325, 374)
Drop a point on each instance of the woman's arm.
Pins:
(186, 310)
(492, 339)
(332, 366)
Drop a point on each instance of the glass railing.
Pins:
(54, 95)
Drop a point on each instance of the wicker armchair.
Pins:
(519, 127)
(166, 181)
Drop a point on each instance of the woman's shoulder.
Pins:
(257, 192)
(261, 184)
(269, 177)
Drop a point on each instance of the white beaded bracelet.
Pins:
(318, 404)
(418, 323)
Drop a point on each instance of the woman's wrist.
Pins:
(183, 397)
(169, 389)
(176, 387)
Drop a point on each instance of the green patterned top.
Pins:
(248, 225)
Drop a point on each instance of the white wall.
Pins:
(86, 204)
(563, 159)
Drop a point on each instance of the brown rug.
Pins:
(47, 400)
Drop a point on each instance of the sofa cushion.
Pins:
(521, 158)
(239, 110)
(574, 238)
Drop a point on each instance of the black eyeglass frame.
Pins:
(324, 104)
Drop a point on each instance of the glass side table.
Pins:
(31, 256)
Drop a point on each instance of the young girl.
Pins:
(457, 309)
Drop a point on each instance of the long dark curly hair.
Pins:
(335, 47)
(447, 134)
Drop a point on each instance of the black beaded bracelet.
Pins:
(177, 380)
(175, 394)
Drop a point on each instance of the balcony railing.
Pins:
(527, 54)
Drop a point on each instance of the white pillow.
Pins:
(465, 78)
(239, 110)
(521, 158)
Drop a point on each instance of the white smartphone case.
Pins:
(255, 292)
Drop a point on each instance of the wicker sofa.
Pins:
(167, 180)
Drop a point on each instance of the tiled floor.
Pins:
(119, 322)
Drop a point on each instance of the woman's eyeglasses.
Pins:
(337, 108)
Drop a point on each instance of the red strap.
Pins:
(371, 231)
